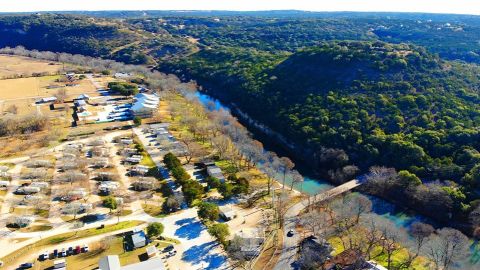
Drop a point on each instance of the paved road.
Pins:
(290, 244)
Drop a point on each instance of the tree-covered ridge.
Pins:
(97, 37)
(452, 37)
(62, 33)
(385, 104)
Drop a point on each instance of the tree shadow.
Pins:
(189, 230)
(201, 255)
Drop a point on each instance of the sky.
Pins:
(431, 6)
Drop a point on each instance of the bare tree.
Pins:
(446, 248)
(317, 222)
(419, 234)
(285, 165)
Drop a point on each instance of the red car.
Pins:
(78, 250)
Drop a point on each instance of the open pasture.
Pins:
(11, 66)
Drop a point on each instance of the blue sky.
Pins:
(434, 6)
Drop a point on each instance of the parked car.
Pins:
(63, 253)
(70, 251)
(55, 253)
(290, 233)
(26, 265)
(44, 256)
(78, 250)
(85, 248)
(168, 248)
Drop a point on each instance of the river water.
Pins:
(311, 185)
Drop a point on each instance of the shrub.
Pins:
(208, 211)
(155, 229)
(219, 231)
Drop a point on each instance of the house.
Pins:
(110, 262)
(145, 105)
(107, 187)
(126, 141)
(46, 100)
(136, 239)
(215, 171)
(152, 251)
(27, 190)
(81, 105)
(41, 185)
(145, 183)
(122, 75)
(140, 169)
(74, 195)
(76, 208)
(134, 159)
(252, 239)
(227, 213)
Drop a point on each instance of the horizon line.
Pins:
(240, 11)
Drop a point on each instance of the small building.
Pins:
(126, 141)
(152, 251)
(122, 75)
(4, 184)
(133, 159)
(83, 97)
(60, 264)
(27, 190)
(129, 151)
(81, 105)
(227, 213)
(140, 169)
(108, 187)
(46, 100)
(215, 171)
(74, 195)
(145, 183)
(136, 239)
(41, 185)
(252, 239)
(110, 262)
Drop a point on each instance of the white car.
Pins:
(85, 248)
(45, 255)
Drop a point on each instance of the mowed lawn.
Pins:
(17, 65)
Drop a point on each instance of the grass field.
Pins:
(18, 65)
(33, 87)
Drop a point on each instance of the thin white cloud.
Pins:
(433, 6)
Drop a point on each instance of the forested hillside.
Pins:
(392, 105)
(90, 36)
